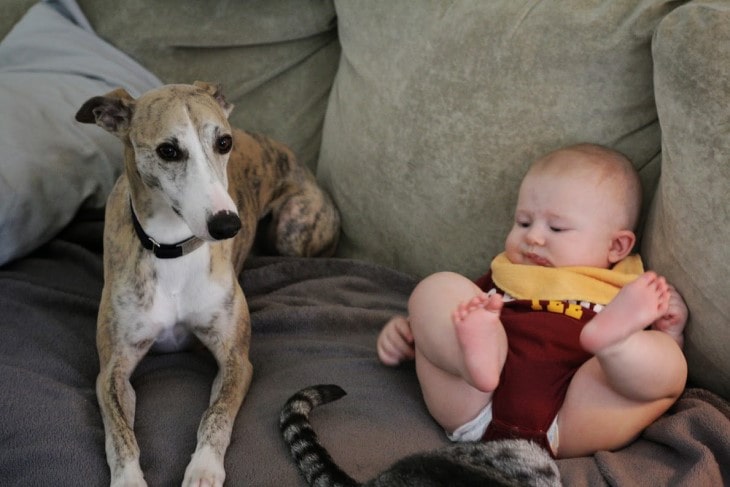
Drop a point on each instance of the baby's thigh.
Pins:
(594, 416)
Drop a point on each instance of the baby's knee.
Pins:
(448, 287)
(443, 278)
(433, 301)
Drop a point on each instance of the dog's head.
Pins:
(177, 142)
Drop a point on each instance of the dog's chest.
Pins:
(184, 296)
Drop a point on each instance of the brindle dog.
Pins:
(179, 223)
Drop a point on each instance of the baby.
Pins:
(566, 340)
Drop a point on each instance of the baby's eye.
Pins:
(557, 229)
(522, 224)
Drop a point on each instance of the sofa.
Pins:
(419, 119)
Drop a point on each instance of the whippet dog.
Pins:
(179, 223)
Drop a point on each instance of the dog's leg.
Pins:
(117, 402)
(228, 339)
(306, 223)
(303, 220)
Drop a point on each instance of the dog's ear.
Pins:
(112, 112)
(216, 91)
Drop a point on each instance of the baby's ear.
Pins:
(621, 246)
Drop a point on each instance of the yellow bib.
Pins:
(578, 283)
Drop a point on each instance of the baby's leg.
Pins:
(448, 388)
(597, 416)
(630, 355)
(635, 376)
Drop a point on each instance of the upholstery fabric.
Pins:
(50, 165)
(436, 113)
(11, 13)
(275, 60)
(688, 231)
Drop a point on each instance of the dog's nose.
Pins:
(223, 225)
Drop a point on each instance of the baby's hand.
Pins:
(395, 342)
(675, 319)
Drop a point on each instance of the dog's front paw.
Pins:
(204, 470)
(128, 476)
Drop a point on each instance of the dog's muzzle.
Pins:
(223, 225)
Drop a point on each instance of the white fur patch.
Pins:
(183, 298)
(205, 186)
(130, 474)
(204, 469)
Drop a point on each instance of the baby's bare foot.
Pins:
(481, 300)
(636, 306)
(482, 340)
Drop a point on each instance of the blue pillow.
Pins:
(51, 165)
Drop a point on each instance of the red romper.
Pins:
(543, 355)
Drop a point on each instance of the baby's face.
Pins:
(563, 221)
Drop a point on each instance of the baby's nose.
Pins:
(535, 236)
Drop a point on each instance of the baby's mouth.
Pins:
(537, 260)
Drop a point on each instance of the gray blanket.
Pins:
(314, 321)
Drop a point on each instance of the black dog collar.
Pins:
(164, 251)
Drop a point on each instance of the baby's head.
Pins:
(577, 206)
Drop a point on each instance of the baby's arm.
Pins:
(675, 319)
(395, 342)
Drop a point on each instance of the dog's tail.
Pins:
(313, 461)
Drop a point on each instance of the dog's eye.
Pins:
(168, 152)
(224, 144)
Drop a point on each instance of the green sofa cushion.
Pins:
(439, 107)
(688, 232)
(275, 60)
